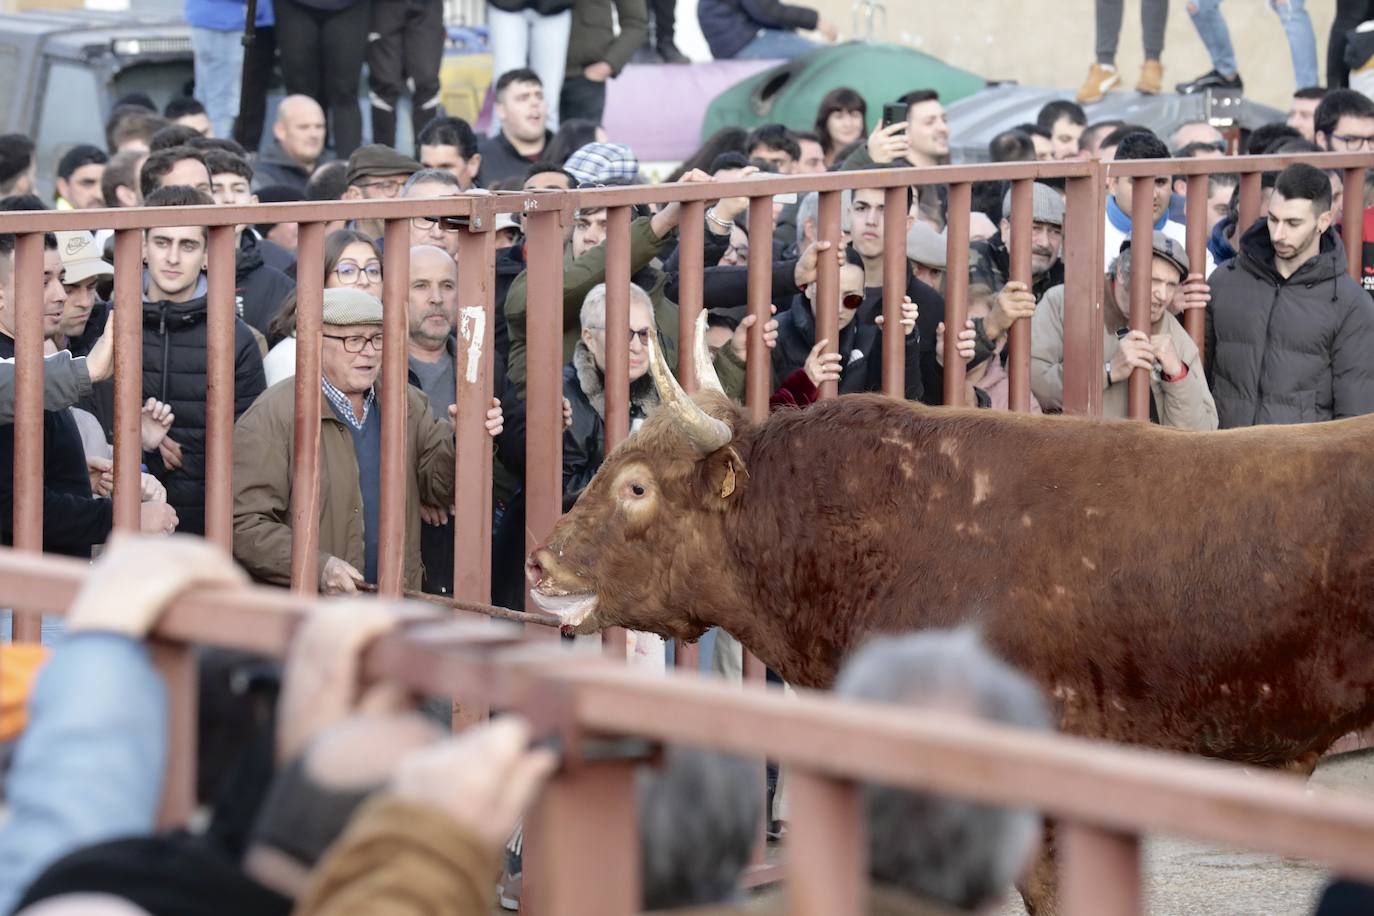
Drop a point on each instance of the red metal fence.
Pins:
(30, 585)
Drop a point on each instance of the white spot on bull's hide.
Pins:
(950, 450)
(1118, 706)
(1266, 692)
(1025, 521)
(1089, 565)
(1226, 690)
(907, 470)
(472, 327)
(1092, 512)
(1060, 591)
(1065, 694)
(891, 439)
(982, 486)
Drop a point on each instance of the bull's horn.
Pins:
(705, 431)
(701, 357)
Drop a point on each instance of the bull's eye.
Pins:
(637, 489)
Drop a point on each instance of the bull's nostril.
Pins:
(533, 571)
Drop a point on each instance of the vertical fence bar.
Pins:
(691, 278)
(1018, 335)
(826, 847)
(391, 528)
(1195, 320)
(219, 397)
(128, 380)
(758, 367)
(894, 290)
(1083, 277)
(617, 341)
(1249, 201)
(956, 289)
(472, 516)
(1099, 872)
(305, 467)
(1352, 221)
(176, 662)
(1142, 262)
(28, 410)
(543, 382)
(691, 261)
(826, 305)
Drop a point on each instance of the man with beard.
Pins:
(1289, 335)
(990, 260)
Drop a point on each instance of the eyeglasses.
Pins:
(852, 301)
(426, 223)
(1354, 141)
(642, 333)
(350, 272)
(354, 343)
(389, 188)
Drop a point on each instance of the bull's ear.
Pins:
(723, 474)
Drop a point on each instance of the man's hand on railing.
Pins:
(887, 144)
(101, 472)
(151, 489)
(909, 315)
(804, 274)
(821, 366)
(965, 343)
(154, 421)
(338, 577)
(666, 220)
(100, 361)
(726, 209)
(739, 341)
(483, 779)
(495, 422)
(156, 518)
(136, 578)
(1192, 293)
(1014, 302)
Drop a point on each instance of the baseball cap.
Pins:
(1047, 205)
(925, 246)
(376, 159)
(1167, 248)
(507, 221)
(81, 257)
(603, 163)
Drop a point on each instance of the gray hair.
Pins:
(1121, 266)
(431, 176)
(809, 209)
(951, 851)
(699, 816)
(594, 306)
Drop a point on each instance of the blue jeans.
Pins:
(775, 44)
(1297, 26)
(219, 74)
(527, 39)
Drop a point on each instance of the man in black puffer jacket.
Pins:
(175, 312)
(1290, 336)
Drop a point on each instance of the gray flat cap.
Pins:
(350, 305)
(1047, 205)
(925, 246)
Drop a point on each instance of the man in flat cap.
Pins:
(350, 459)
(1179, 396)
(376, 172)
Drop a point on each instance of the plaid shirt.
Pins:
(343, 407)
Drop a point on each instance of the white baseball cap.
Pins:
(81, 258)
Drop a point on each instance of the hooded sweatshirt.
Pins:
(1295, 350)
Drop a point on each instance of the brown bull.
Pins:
(1209, 593)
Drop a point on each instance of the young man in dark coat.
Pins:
(259, 285)
(1290, 336)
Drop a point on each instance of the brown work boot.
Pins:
(1151, 78)
(1102, 78)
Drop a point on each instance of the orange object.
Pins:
(19, 664)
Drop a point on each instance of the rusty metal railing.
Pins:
(1104, 797)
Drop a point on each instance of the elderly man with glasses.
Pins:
(376, 172)
(350, 459)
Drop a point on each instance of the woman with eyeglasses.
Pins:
(350, 259)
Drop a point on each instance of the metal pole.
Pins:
(1142, 261)
(956, 289)
(894, 290)
(1019, 334)
(1194, 320)
(826, 305)
(305, 467)
(219, 397)
(28, 412)
(614, 639)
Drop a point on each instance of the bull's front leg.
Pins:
(1040, 886)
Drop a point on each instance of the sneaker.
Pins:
(670, 54)
(1151, 78)
(1212, 79)
(1102, 78)
(508, 891)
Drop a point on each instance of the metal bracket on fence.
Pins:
(549, 707)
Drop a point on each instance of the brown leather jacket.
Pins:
(264, 443)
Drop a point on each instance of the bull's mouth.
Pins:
(571, 608)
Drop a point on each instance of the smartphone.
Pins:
(894, 113)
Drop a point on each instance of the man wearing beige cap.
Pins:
(925, 254)
(376, 172)
(350, 459)
(83, 316)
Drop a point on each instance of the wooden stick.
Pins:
(490, 610)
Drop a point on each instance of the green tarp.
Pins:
(791, 92)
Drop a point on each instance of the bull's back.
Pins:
(1201, 592)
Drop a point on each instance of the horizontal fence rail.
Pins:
(1104, 797)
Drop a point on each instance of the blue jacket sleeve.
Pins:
(89, 766)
